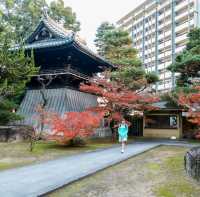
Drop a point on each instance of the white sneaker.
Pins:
(122, 151)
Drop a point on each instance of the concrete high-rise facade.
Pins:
(159, 30)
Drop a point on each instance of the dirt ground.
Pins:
(156, 173)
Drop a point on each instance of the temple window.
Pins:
(161, 122)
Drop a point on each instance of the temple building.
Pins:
(64, 61)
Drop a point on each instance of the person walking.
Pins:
(123, 134)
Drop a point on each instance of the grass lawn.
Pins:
(156, 173)
(17, 154)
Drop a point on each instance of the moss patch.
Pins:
(153, 166)
(175, 189)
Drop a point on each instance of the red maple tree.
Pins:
(72, 124)
(115, 101)
(116, 98)
(191, 102)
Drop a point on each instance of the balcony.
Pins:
(179, 49)
(168, 75)
(168, 48)
(167, 63)
(183, 5)
(168, 53)
(184, 15)
(165, 27)
(162, 76)
(181, 31)
(164, 55)
(161, 66)
(147, 60)
(150, 6)
(161, 36)
(182, 20)
(165, 37)
(150, 33)
(161, 55)
(165, 14)
(184, 25)
(165, 4)
(181, 38)
(163, 45)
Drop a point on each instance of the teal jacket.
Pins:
(123, 130)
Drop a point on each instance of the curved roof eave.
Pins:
(90, 53)
(62, 37)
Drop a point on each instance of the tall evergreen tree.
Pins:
(59, 12)
(15, 71)
(116, 45)
(187, 63)
(21, 16)
(100, 41)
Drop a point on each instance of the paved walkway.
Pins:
(35, 180)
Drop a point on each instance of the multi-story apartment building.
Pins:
(159, 30)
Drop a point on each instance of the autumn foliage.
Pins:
(191, 102)
(73, 124)
(116, 98)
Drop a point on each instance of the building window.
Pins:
(161, 61)
(161, 122)
(161, 41)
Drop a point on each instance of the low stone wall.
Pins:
(15, 133)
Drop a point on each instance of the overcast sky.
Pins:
(91, 13)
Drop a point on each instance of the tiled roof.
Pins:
(164, 105)
(57, 28)
(61, 37)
